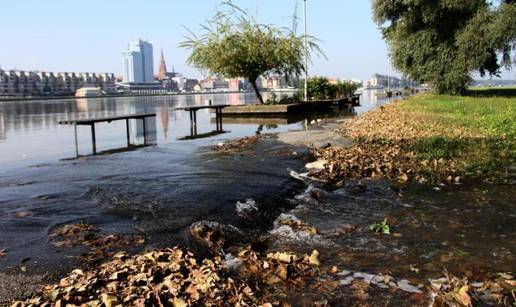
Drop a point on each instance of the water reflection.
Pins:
(29, 133)
(160, 189)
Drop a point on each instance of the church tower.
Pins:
(162, 67)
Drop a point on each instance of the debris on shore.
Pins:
(173, 277)
(237, 145)
(101, 246)
(169, 277)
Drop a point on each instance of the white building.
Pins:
(15, 83)
(138, 62)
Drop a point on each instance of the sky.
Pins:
(89, 36)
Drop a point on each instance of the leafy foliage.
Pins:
(235, 45)
(381, 227)
(284, 99)
(442, 42)
(320, 88)
(345, 89)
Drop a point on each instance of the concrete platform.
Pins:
(314, 138)
(294, 108)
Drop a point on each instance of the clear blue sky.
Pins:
(89, 36)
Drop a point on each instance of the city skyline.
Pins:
(345, 29)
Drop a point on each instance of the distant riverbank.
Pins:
(31, 98)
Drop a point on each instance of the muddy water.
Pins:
(468, 230)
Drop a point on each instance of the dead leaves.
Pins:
(100, 245)
(237, 145)
(374, 157)
(169, 277)
(280, 271)
(452, 291)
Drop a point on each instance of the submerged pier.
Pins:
(92, 121)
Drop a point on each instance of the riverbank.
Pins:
(428, 139)
(43, 98)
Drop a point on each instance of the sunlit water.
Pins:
(158, 189)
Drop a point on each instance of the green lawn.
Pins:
(490, 116)
(478, 133)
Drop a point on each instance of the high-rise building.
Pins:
(138, 62)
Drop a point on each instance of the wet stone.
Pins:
(215, 235)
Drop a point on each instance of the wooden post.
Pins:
(127, 131)
(218, 118)
(144, 132)
(195, 118)
(93, 138)
(76, 141)
(191, 119)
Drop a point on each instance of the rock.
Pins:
(407, 287)
(317, 165)
(215, 235)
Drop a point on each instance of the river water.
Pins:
(157, 189)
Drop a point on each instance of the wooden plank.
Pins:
(89, 121)
(196, 108)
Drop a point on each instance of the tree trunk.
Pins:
(256, 90)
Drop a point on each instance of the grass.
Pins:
(478, 132)
(489, 116)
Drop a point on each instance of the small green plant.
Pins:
(382, 227)
(272, 99)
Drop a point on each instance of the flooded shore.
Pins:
(157, 193)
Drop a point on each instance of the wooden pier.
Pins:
(193, 118)
(92, 121)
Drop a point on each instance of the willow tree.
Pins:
(443, 42)
(234, 45)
